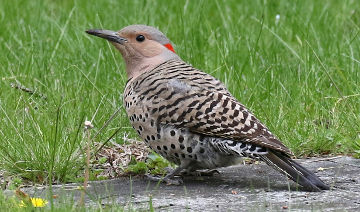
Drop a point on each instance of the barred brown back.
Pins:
(179, 95)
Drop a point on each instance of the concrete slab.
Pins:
(254, 187)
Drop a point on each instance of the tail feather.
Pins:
(295, 171)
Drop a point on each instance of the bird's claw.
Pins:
(168, 181)
(201, 173)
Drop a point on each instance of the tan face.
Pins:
(142, 47)
(138, 45)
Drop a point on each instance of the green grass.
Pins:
(300, 74)
(14, 203)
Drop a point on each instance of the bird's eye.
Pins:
(140, 38)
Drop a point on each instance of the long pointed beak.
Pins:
(107, 34)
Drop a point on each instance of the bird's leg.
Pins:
(169, 169)
(169, 178)
(200, 173)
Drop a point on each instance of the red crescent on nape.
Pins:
(169, 46)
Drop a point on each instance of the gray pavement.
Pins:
(254, 187)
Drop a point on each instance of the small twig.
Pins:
(107, 122)
(27, 90)
(331, 160)
(324, 159)
(103, 144)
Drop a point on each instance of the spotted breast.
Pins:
(171, 104)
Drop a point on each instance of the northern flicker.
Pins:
(188, 116)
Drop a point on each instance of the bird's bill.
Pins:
(107, 34)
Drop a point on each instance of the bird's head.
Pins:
(142, 47)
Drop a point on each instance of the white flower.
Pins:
(88, 125)
(277, 18)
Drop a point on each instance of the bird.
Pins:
(188, 116)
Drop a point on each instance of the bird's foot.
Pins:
(167, 180)
(200, 173)
(169, 170)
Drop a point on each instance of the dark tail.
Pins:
(295, 171)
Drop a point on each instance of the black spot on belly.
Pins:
(183, 155)
(165, 147)
(190, 156)
(148, 137)
(182, 146)
(140, 128)
(172, 133)
(153, 137)
(158, 136)
(181, 138)
(158, 147)
(252, 148)
(176, 155)
(202, 150)
(172, 146)
(152, 123)
(138, 131)
(189, 150)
